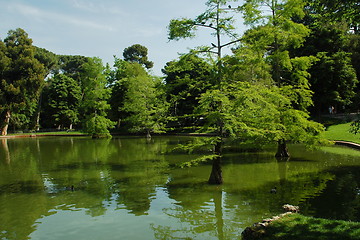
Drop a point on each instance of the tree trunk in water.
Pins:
(6, 123)
(282, 151)
(216, 172)
(148, 135)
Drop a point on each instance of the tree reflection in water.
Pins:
(131, 182)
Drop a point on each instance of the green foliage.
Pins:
(275, 31)
(137, 53)
(247, 65)
(63, 99)
(334, 80)
(94, 104)
(215, 18)
(144, 102)
(181, 28)
(185, 80)
(337, 10)
(97, 126)
(48, 59)
(22, 76)
(258, 113)
(197, 161)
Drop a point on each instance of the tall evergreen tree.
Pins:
(22, 77)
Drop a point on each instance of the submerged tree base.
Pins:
(282, 151)
(216, 172)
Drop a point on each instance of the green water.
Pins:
(130, 188)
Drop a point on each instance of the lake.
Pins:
(131, 188)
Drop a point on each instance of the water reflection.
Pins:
(128, 188)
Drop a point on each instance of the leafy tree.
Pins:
(94, 104)
(273, 107)
(337, 10)
(71, 65)
(137, 53)
(63, 98)
(121, 71)
(144, 102)
(48, 59)
(186, 79)
(22, 77)
(332, 85)
(333, 80)
(277, 33)
(216, 18)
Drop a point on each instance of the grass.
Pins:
(341, 132)
(49, 133)
(296, 227)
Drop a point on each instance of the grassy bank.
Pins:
(57, 133)
(298, 227)
(341, 132)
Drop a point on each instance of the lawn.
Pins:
(296, 227)
(341, 132)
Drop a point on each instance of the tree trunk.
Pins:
(282, 151)
(37, 124)
(6, 123)
(216, 172)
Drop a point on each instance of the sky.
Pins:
(103, 28)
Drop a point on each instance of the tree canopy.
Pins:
(22, 76)
(137, 53)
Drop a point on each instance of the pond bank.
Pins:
(298, 227)
(44, 135)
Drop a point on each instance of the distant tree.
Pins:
(185, 80)
(48, 59)
(118, 86)
(332, 76)
(138, 99)
(145, 105)
(94, 104)
(22, 77)
(334, 81)
(71, 65)
(138, 53)
(63, 99)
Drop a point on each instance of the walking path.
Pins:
(348, 144)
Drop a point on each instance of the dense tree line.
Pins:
(297, 59)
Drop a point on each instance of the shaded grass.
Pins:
(341, 150)
(59, 133)
(296, 227)
(341, 132)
